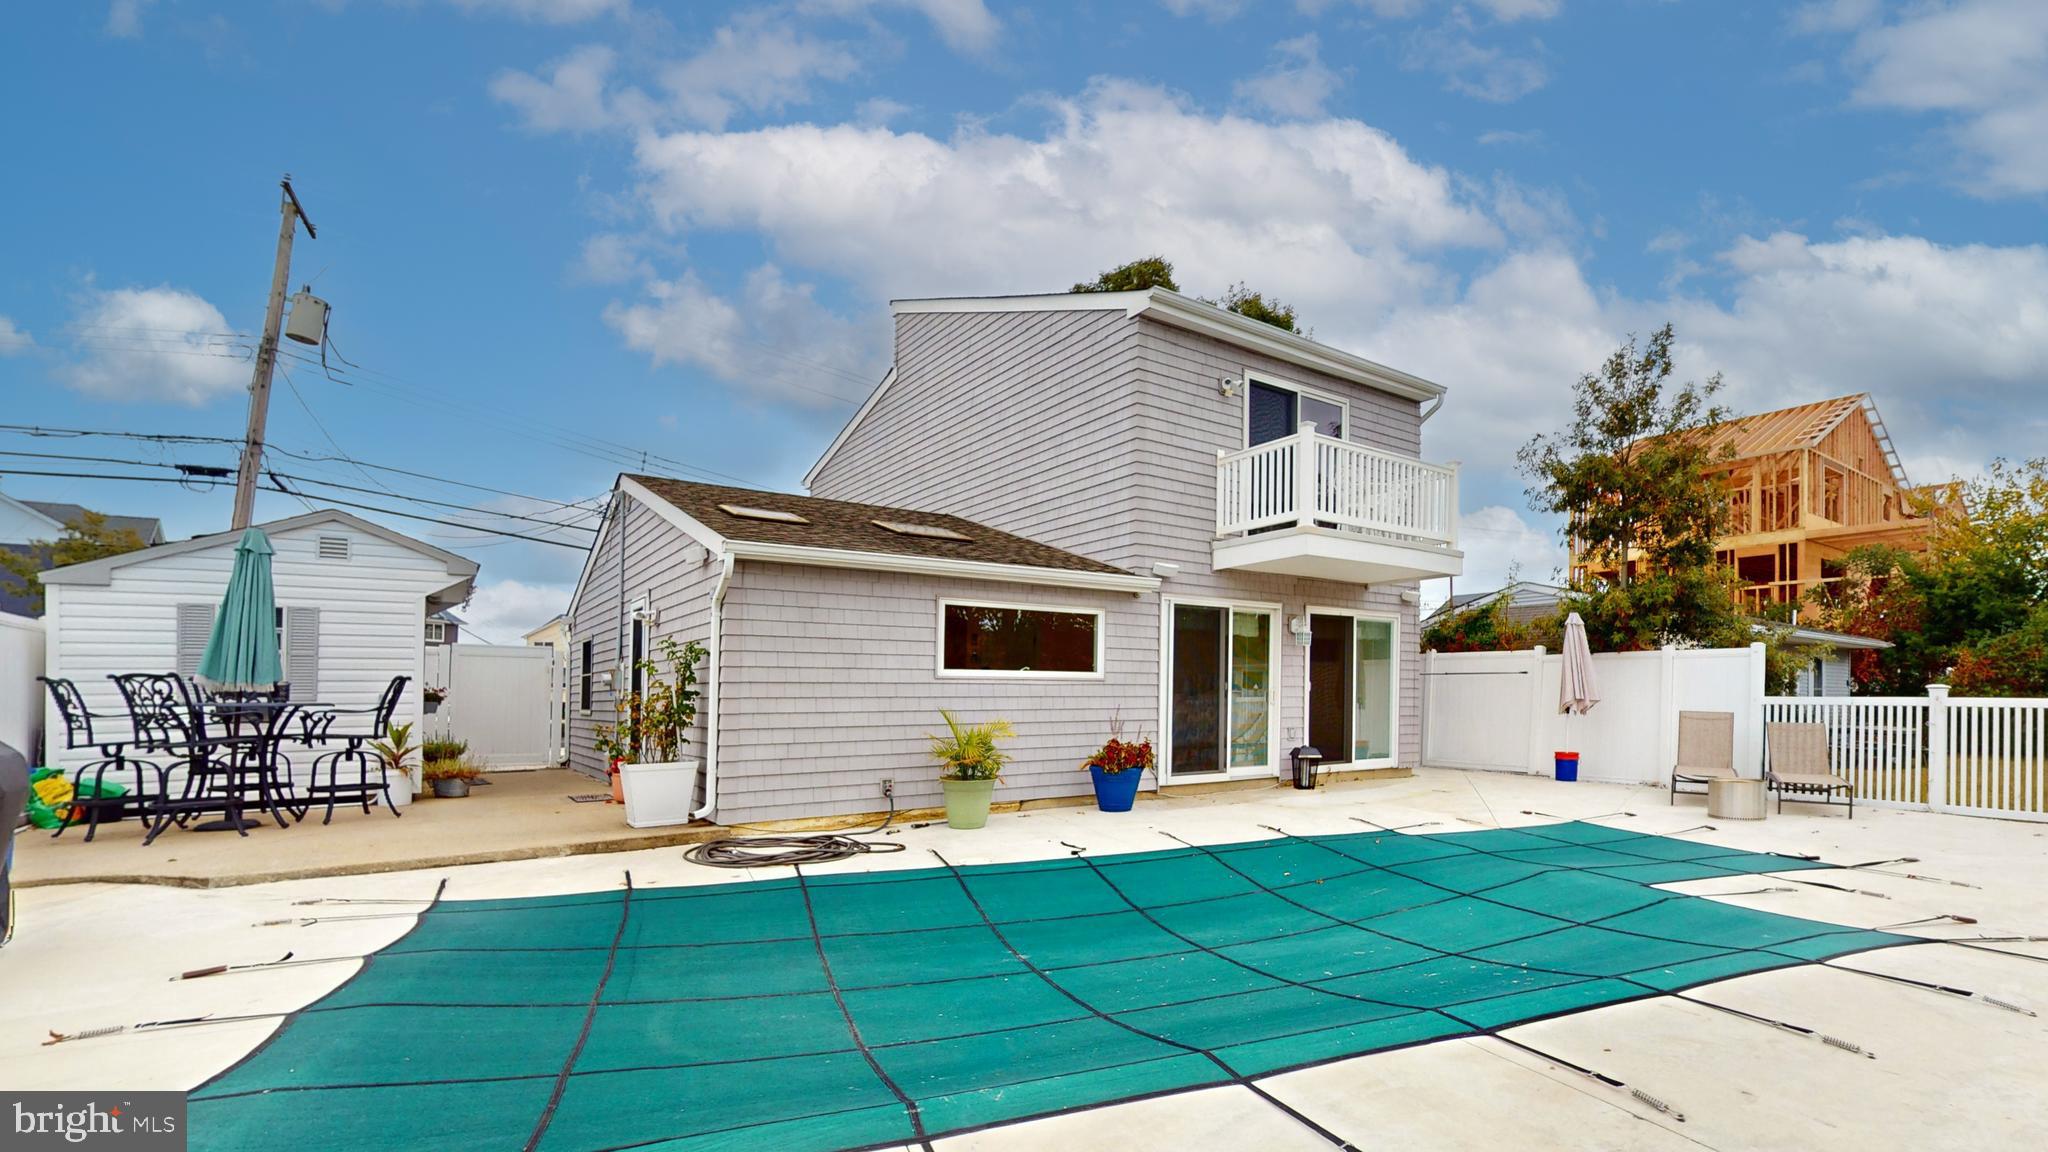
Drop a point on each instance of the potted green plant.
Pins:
(657, 784)
(397, 749)
(430, 699)
(1117, 768)
(451, 777)
(973, 763)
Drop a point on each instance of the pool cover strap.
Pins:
(867, 1010)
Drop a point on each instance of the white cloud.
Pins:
(570, 99)
(545, 11)
(1501, 546)
(124, 18)
(502, 611)
(1509, 136)
(1297, 84)
(965, 25)
(757, 63)
(14, 339)
(610, 258)
(1469, 66)
(1332, 209)
(1212, 9)
(156, 344)
(773, 340)
(1833, 15)
(1980, 64)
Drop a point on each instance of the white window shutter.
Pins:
(195, 626)
(302, 648)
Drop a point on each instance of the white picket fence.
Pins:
(1978, 756)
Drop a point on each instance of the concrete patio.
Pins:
(1949, 1072)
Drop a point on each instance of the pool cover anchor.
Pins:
(1848, 1046)
(1942, 989)
(1601, 1078)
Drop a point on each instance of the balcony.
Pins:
(1329, 509)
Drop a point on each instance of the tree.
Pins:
(1136, 276)
(1972, 610)
(1633, 477)
(88, 538)
(1157, 272)
(1254, 306)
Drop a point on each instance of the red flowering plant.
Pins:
(1120, 755)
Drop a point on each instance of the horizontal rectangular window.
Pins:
(1000, 639)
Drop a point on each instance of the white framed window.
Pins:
(1275, 409)
(437, 632)
(284, 648)
(981, 639)
(583, 674)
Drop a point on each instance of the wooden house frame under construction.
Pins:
(1806, 485)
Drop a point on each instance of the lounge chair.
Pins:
(1706, 750)
(1798, 765)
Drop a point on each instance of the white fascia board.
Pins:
(101, 571)
(939, 566)
(1223, 324)
(1040, 302)
(688, 524)
(846, 430)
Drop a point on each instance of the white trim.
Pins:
(101, 571)
(942, 672)
(1275, 653)
(1283, 384)
(55, 529)
(690, 525)
(1032, 302)
(1333, 554)
(437, 632)
(846, 429)
(1185, 312)
(1393, 685)
(939, 566)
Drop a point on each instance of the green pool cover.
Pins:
(876, 1009)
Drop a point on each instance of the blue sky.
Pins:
(559, 233)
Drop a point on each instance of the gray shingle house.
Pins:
(1058, 510)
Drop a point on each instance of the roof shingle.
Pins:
(843, 526)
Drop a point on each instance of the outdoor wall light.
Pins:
(1303, 635)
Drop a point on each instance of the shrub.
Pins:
(970, 753)
(432, 750)
(451, 768)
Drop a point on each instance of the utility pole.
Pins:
(266, 357)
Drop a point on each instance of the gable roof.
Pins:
(1786, 429)
(838, 533)
(101, 571)
(1184, 312)
(149, 528)
(28, 508)
(1526, 599)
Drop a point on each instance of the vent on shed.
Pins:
(746, 512)
(334, 547)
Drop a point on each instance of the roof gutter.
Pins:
(712, 690)
(1193, 315)
(939, 566)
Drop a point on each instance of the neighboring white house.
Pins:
(353, 601)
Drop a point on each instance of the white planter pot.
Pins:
(401, 788)
(659, 794)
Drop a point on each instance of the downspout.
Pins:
(712, 690)
(1431, 410)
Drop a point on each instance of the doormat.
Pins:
(590, 797)
(817, 1013)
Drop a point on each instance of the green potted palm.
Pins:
(397, 749)
(973, 763)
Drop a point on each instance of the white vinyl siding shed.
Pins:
(350, 624)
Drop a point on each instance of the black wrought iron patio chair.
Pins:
(225, 772)
(349, 779)
(143, 784)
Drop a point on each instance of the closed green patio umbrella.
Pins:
(241, 655)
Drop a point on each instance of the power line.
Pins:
(423, 500)
(274, 487)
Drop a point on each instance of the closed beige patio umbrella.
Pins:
(1578, 688)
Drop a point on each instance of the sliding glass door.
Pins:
(1220, 674)
(1352, 680)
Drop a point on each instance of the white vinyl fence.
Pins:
(502, 700)
(1498, 710)
(1979, 756)
(21, 698)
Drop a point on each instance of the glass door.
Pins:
(1221, 673)
(1198, 658)
(1329, 686)
(1372, 728)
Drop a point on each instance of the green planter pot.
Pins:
(967, 802)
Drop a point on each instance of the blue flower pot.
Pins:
(1115, 791)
